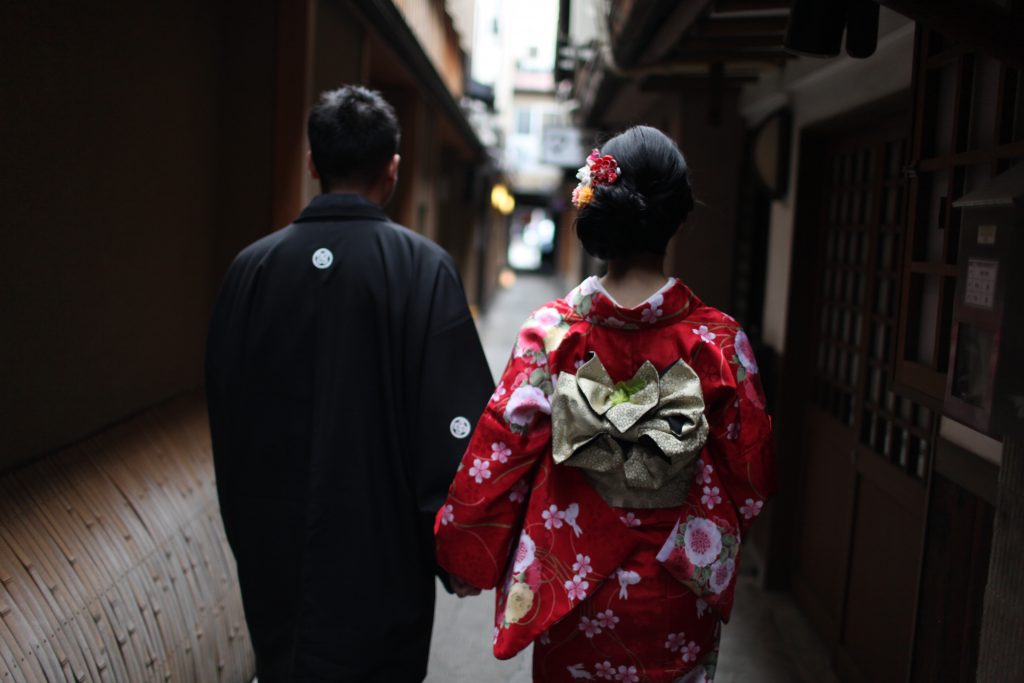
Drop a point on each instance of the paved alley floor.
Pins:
(767, 640)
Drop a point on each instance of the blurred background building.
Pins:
(859, 214)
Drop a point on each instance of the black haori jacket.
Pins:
(343, 372)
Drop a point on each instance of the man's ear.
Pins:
(393, 168)
(311, 166)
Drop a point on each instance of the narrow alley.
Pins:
(214, 336)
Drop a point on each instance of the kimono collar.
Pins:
(336, 206)
(591, 302)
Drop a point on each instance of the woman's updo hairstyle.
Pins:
(643, 209)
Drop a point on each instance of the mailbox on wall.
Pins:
(985, 384)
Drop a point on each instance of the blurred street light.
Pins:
(502, 200)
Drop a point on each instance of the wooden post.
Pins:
(294, 55)
(1002, 657)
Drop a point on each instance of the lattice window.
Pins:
(969, 126)
(860, 274)
(844, 268)
(893, 425)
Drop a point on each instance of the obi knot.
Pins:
(638, 440)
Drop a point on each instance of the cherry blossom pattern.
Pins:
(704, 475)
(590, 627)
(447, 514)
(627, 674)
(607, 619)
(626, 579)
(702, 608)
(721, 575)
(497, 632)
(629, 519)
(577, 587)
(480, 470)
(545, 638)
(705, 334)
(653, 310)
(553, 518)
(690, 651)
(732, 431)
(711, 497)
(500, 452)
(518, 492)
(499, 391)
(582, 564)
(751, 508)
(604, 670)
(675, 641)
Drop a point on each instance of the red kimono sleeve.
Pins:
(734, 478)
(482, 516)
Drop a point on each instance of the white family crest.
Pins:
(460, 427)
(323, 258)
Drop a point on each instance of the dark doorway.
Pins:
(864, 446)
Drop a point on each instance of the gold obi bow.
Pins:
(637, 441)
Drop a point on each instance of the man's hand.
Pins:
(461, 587)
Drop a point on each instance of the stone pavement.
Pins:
(767, 640)
(460, 651)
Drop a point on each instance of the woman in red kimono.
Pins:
(622, 456)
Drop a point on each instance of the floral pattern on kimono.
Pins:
(541, 533)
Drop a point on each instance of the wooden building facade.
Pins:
(145, 144)
(148, 143)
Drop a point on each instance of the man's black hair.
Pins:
(353, 134)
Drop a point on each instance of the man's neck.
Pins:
(377, 194)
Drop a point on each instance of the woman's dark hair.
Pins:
(353, 133)
(643, 209)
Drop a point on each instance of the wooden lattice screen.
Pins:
(113, 561)
(860, 275)
(968, 127)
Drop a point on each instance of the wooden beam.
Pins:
(985, 26)
(736, 43)
(663, 37)
(711, 56)
(694, 83)
(387, 20)
(727, 6)
(724, 26)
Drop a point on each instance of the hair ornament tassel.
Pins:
(599, 170)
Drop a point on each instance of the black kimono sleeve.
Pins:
(455, 385)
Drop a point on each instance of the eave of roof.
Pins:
(388, 20)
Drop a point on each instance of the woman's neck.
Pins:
(632, 281)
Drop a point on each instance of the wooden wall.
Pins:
(137, 160)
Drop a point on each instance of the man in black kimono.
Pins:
(343, 374)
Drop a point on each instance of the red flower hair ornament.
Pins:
(599, 170)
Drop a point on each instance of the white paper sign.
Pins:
(980, 291)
